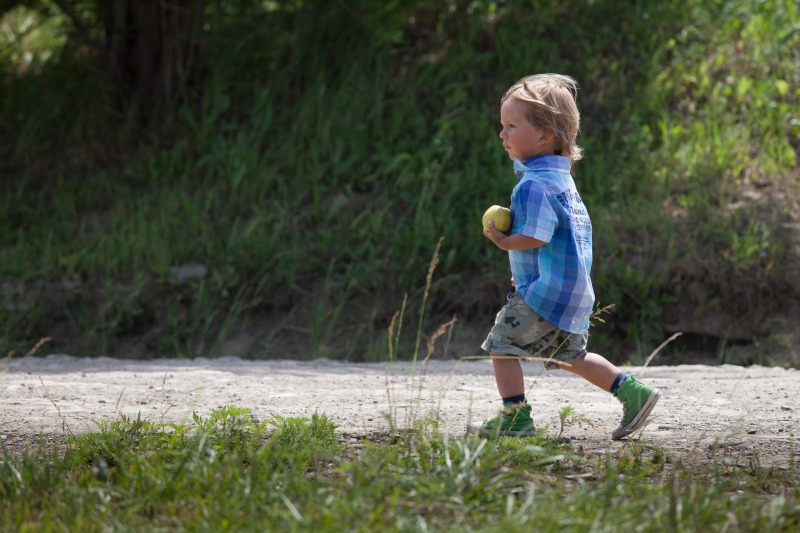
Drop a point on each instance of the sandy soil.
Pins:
(730, 413)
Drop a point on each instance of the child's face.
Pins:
(521, 139)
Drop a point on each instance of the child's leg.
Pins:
(508, 376)
(638, 399)
(515, 417)
(595, 369)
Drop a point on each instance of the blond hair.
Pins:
(550, 100)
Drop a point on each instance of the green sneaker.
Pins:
(638, 399)
(513, 421)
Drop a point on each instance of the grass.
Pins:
(326, 218)
(314, 186)
(232, 472)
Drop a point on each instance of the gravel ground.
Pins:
(732, 413)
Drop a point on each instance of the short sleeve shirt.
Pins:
(555, 278)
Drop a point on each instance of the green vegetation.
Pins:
(230, 472)
(285, 200)
(320, 150)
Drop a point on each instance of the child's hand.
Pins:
(517, 241)
(493, 234)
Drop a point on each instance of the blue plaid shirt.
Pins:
(554, 278)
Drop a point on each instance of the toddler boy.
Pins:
(550, 250)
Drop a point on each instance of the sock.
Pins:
(621, 377)
(511, 400)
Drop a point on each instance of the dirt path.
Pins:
(729, 412)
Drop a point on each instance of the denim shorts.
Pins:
(519, 330)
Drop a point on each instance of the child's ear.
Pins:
(547, 136)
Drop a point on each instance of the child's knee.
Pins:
(571, 364)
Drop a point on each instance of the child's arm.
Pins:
(517, 241)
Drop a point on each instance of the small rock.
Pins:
(189, 271)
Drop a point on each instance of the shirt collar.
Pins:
(557, 163)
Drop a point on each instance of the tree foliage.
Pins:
(147, 48)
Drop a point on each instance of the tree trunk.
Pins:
(151, 48)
